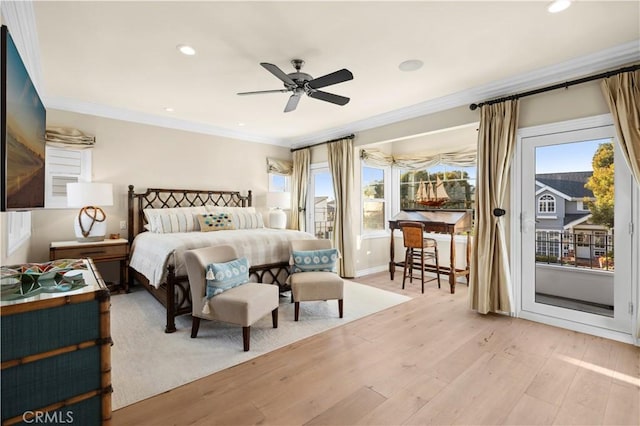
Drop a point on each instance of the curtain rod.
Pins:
(351, 136)
(564, 85)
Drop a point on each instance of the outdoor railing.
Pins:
(577, 249)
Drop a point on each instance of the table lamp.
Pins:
(91, 222)
(277, 201)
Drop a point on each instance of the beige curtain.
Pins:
(279, 167)
(341, 167)
(490, 279)
(622, 92)
(299, 184)
(465, 157)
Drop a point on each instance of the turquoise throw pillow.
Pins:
(224, 276)
(314, 260)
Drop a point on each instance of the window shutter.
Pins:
(62, 166)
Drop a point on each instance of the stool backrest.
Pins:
(413, 234)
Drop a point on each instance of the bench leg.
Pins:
(296, 310)
(274, 317)
(246, 333)
(340, 306)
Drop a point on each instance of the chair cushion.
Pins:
(314, 260)
(224, 276)
(316, 285)
(245, 304)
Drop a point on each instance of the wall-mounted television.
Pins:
(22, 131)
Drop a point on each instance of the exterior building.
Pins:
(564, 232)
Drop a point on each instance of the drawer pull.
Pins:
(85, 253)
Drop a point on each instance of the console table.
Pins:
(450, 222)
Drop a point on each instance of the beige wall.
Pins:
(142, 155)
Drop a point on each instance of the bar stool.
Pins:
(418, 249)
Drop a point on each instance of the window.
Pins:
(547, 204)
(374, 206)
(62, 166)
(441, 186)
(279, 183)
(18, 229)
(321, 202)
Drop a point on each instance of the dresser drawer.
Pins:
(97, 253)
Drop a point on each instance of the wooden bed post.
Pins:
(130, 202)
(171, 300)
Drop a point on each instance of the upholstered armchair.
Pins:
(243, 304)
(313, 277)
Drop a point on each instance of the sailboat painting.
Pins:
(430, 195)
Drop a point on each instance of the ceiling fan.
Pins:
(300, 82)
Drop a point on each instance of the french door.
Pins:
(321, 202)
(576, 245)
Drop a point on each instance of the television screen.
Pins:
(22, 132)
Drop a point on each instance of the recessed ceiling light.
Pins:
(240, 123)
(558, 6)
(186, 49)
(411, 65)
(168, 109)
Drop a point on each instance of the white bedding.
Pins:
(152, 252)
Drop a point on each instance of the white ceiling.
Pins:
(120, 59)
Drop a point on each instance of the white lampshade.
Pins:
(279, 200)
(81, 194)
(91, 222)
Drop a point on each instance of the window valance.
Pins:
(465, 157)
(279, 167)
(66, 137)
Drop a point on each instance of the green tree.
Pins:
(601, 183)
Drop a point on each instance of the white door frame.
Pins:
(517, 223)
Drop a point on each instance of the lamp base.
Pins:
(97, 229)
(277, 219)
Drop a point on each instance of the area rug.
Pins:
(145, 361)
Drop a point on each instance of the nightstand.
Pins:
(101, 251)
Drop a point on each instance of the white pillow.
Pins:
(177, 219)
(247, 220)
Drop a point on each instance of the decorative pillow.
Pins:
(224, 276)
(246, 220)
(314, 260)
(215, 221)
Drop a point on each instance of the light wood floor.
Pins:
(428, 361)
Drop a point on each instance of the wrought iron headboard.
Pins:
(162, 198)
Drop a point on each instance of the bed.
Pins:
(156, 259)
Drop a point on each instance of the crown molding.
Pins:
(99, 110)
(20, 19)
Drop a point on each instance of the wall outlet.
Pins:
(123, 225)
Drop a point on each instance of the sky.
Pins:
(570, 157)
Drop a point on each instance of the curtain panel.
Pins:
(299, 185)
(490, 277)
(341, 167)
(622, 93)
(279, 167)
(465, 157)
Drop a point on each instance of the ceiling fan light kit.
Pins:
(299, 82)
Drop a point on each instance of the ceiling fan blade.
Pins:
(292, 103)
(329, 97)
(329, 79)
(273, 69)
(264, 91)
